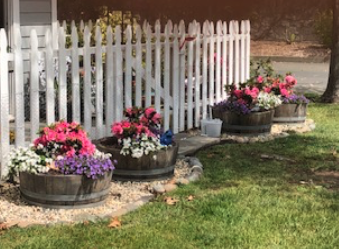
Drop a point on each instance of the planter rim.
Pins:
(61, 175)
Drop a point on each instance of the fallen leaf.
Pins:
(115, 223)
(210, 155)
(172, 181)
(3, 227)
(85, 223)
(171, 201)
(190, 198)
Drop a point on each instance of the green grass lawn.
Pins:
(242, 201)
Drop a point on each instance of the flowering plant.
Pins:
(268, 101)
(63, 147)
(63, 139)
(295, 99)
(140, 133)
(25, 159)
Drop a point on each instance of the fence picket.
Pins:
(197, 86)
(175, 80)
(182, 76)
(190, 79)
(118, 75)
(157, 65)
(87, 81)
(128, 67)
(148, 89)
(204, 68)
(224, 59)
(211, 65)
(218, 61)
(4, 101)
(62, 79)
(231, 54)
(166, 79)
(242, 52)
(248, 49)
(19, 91)
(75, 77)
(236, 53)
(109, 81)
(50, 76)
(99, 78)
(138, 70)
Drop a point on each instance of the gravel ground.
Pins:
(14, 211)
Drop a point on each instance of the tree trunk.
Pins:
(331, 95)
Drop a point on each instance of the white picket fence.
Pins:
(180, 73)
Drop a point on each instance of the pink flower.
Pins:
(284, 93)
(149, 111)
(238, 93)
(267, 89)
(289, 79)
(260, 79)
(156, 118)
(117, 129)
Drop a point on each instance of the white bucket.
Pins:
(211, 127)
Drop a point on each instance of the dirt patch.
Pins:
(297, 49)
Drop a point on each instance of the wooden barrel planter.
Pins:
(64, 191)
(253, 123)
(290, 113)
(155, 166)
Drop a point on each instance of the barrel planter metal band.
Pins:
(64, 191)
(155, 166)
(290, 113)
(253, 123)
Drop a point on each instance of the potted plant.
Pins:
(294, 107)
(143, 151)
(62, 169)
(247, 110)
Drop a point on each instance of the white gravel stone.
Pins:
(122, 195)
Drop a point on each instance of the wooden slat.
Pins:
(182, 75)
(211, 65)
(242, 52)
(231, 54)
(224, 59)
(175, 81)
(109, 81)
(138, 69)
(190, 79)
(128, 67)
(75, 77)
(157, 65)
(19, 92)
(204, 69)
(197, 89)
(50, 75)
(167, 80)
(236, 52)
(148, 67)
(118, 76)
(218, 61)
(4, 110)
(34, 86)
(99, 78)
(87, 81)
(62, 79)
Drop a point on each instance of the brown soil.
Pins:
(297, 49)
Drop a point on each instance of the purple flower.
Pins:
(233, 106)
(85, 165)
(295, 99)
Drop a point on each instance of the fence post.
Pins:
(19, 91)
(4, 101)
